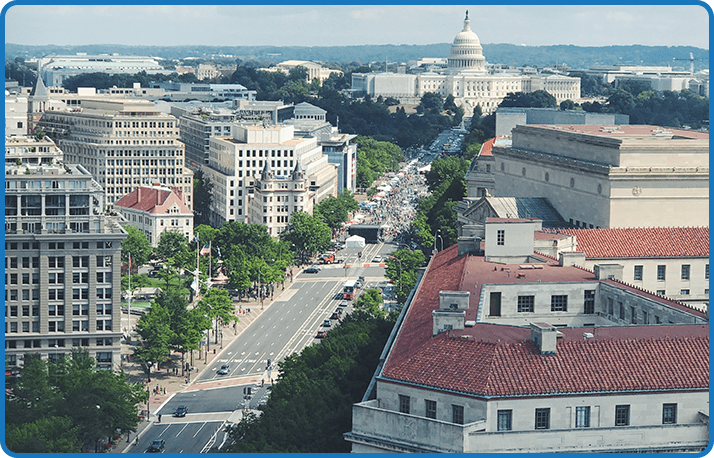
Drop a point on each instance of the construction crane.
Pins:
(691, 62)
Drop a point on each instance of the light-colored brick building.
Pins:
(500, 350)
(62, 258)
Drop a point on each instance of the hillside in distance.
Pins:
(576, 57)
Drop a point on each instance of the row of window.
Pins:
(583, 417)
(56, 309)
(259, 153)
(53, 326)
(558, 303)
(685, 272)
(457, 411)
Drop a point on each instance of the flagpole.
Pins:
(209, 260)
(129, 295)
(198, 248)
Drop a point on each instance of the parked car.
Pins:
(339, 310)
(377, 259)
(321, 334)
(181, 411)
(335, 316)
(312, 270)
(326, 324)
(223, 370)
(157, 446)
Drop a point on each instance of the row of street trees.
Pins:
(67, 405)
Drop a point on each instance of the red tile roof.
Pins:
(153, 200)
(624, 359)
(656, 242)
(487, 148)
(500, 360)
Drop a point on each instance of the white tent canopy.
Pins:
(354, 242)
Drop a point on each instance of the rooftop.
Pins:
(627, 131)
(655, 242)
(490, 360)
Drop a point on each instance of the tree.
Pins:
(310, 406)
(431, 102)
(567, 105)
(402, 269)
(370, 301)
(170, 244)
(137, 244)
(537, 99)
(41, 436)
(308, 233)
(67, 403)
(217, 305)
(154, 329)
(335, 210)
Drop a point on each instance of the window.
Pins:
(582, 417)
(685, 272)
(542, 418)
(638, 273)
(559, 303)
(609, 306)
(622, 310)
(457, 414)
(430, 409)
(622, 415)
(684, 292)
(589, 302)
(403, 404)
(706, 271)
(661, 272)
(501, 236)
(669, 414)
(505, 418)
(525, 303)
(633, 315)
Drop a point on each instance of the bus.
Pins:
(348, 292)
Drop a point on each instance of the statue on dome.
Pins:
(467, 15)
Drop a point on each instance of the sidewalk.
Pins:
(170, 383)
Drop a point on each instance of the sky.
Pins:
(337, 25)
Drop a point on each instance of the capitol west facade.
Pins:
(466, 79)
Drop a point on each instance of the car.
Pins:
(335, 316)
(312, 270)
(157, 446)
(321, 334)
(326, 324)
(181, 411)
(377, 259)
(339, 310)
(223, 370)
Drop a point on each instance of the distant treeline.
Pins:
(576, 57)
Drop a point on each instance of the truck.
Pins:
(330, 258)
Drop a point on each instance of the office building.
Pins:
(500, 350)
(237, 160)
(609, 176)
(123, 143)
(62, 258)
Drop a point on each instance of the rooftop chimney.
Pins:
(544, 336)
(571, 258)
(451, 314)
(608, 271)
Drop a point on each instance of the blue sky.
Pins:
(322, 25)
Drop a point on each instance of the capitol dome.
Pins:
(466, 52)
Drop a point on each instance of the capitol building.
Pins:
(466, 78)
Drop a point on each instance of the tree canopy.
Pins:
(310, 406)
(137, 244)
(64, 405)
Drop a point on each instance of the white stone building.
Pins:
(236, 161)
(123, 143)
(314, 69)
(498, 350)
(609, 176)
(62, 258)
(466, 78)
(54, 69)
(276, 198)
(155, 210)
